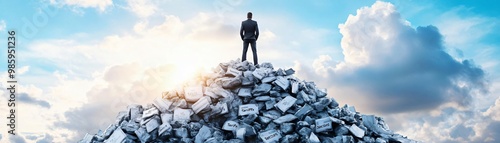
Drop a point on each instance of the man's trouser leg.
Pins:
(253, 43)
(245, 49)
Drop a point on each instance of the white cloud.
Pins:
(405, 75)
(3, 25)
(100, 5)
(142, 8)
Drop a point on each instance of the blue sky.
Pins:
(87, 54)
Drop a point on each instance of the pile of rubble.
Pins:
(241, 103)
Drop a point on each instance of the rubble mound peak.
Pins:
(239, 102)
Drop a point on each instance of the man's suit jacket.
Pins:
(249, 30)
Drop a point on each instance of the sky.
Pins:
(429, 68)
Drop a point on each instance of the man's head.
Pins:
(249, 15)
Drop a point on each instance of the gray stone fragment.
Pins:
(117, 136)
(356, 131)
(248, 109)
(270, 104)
(262, 98)
(230, 126)
(313, 138)
(289, 71)
(285, 104)
(231, 83)
(380, 140)
(287, 127)
(193, 93)
(264, 120)
(286, 118)
(88, 138)
(370, 122)
(202, 105)
(303, 111)
(270, 136)
(166, 117)
(181, 132)
(142, 134)
(109, 130)
(341, 130)
(245, 92)
(182, 114)
(240, 133)
(305, 132)
(273, 114)
(249, 119)
(186, 140)
(292, 138)
(153, 124)
(130, 127)
(268, 79)
(164, 130)
(204, 133)
(233, 72)
(323, 125)
(282, 82)
(261, 89)
(162, 104)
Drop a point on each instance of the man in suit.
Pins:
(249, 33)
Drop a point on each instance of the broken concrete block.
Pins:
(166, 117)
(313, 138)
(203, 104)
(323, 124)
(181, 132)
(268, 79)
(356, 131)
(273, 114)
(153, 124)
(245, 92)
(182, 114)
(285, 103)
(162, 104)
(287, 127)
(289, 71)
(231, 83)
(282, 82)
(284, 119)
(261, 89)
(248, 109)
(240, 133)
(193, 93)
(230, 126)
(233, 72)
(303, 111)
(117, 136)
(143, 135)
(262, 98)
(204, 133)
(88, 138)
(259, 73)
(270, 136)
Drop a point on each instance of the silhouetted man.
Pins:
(249, 33)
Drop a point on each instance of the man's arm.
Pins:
(241, 31)
(256, 31)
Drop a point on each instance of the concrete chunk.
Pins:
(182, 114)
(270, 136)
(248, 109)
(245, 92)
(117, 136)
(285, 103)
(230, 126)
(162, 104)
(282, 82)
(233, 72)
(203, 104)
(193, 93)
(356, 131)
(286, 118)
